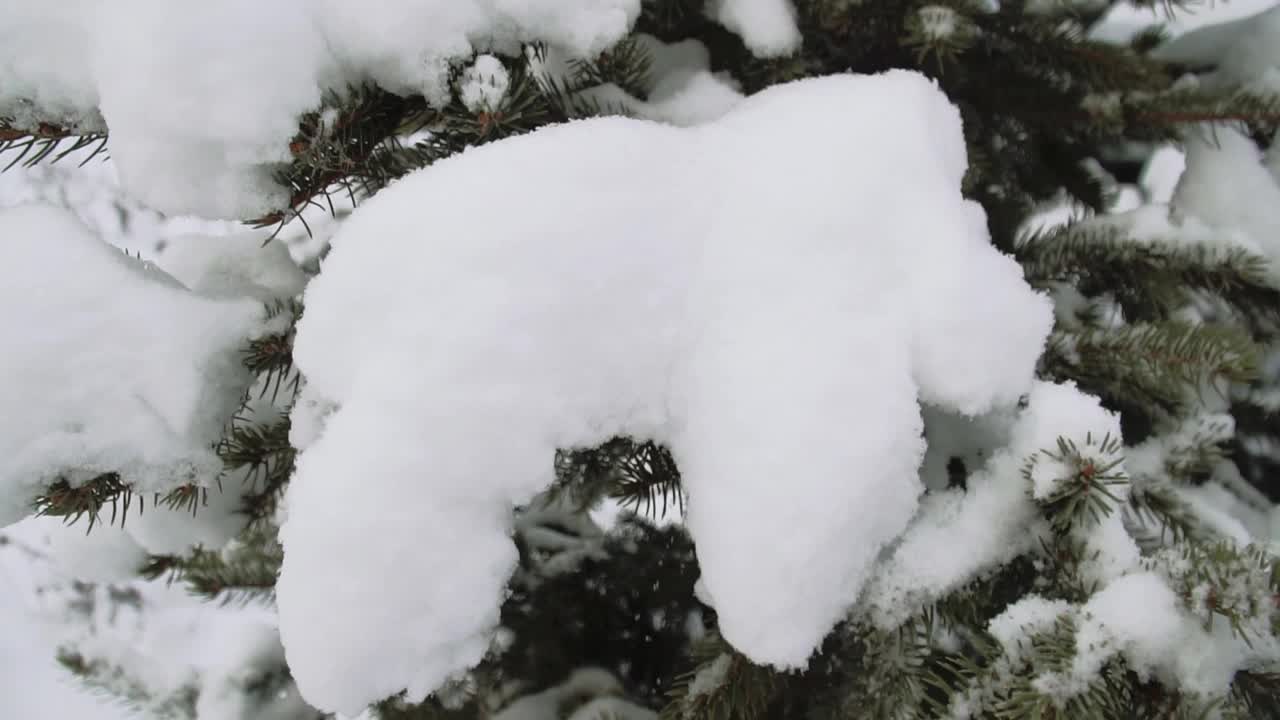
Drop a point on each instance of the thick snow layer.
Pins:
(1136, 616)
(1227, 186)
(775, 329)
(959, 534)
(110, 366)
(240, 265)
(201, 99)
(106, 554)
(45, 49)
(1243, 52)
(768, 27)
(1125, 19)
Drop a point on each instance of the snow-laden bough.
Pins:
(770, 295)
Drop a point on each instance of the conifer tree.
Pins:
(1097, 542)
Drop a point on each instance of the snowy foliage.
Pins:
(122, 370)
(693, 356)
(250, 71)
(890, 447)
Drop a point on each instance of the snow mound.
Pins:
(1242, 53)
(776, 325)
(111, 365)
(1227, 186)
(201, 99)
(768, 27)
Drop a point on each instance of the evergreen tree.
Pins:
(1099, 544)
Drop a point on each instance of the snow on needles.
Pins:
(112, 366)
(779, 348)
(201, 99)
(958, 534)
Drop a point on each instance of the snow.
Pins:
(1243, 52)
(484, 84)
(174, 531)
(239, 265)
(116, 367)
(680, 87)
(955, 435)
(233, 77)
(1125, 19)
(234, 663)
(1161, 172)
(768, 27)
(710, 677)
(108, 554)
(46, 51)
(150, 640)
(443, 330)
(1227, 187)
(1031, 615)
(32, 685)
(959, 534)
(937, 22)
(1136, 616)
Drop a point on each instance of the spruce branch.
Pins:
(627, 65)
(1239, 585)
(98, 674)
(1061, 560)
(87, 499)
(721, 685)
(46, 141)
(396, 708)
(270, 357)
(1081, 493)
(334, 145)
(245, 570)
(1254, 695)
(1162, 365)
(1152, 279)
(1158, 113)
(266, 458)
(641, 476)
(1156, 503)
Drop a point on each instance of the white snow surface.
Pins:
(959, 534)
(484, 84)
(107, 554)
(1125, 19)
(779, 348)
(115, 367)
(768, 27)
(201, 99)
(1031, 615)
(240, 265)
(1242, 53)
(1227, 186)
